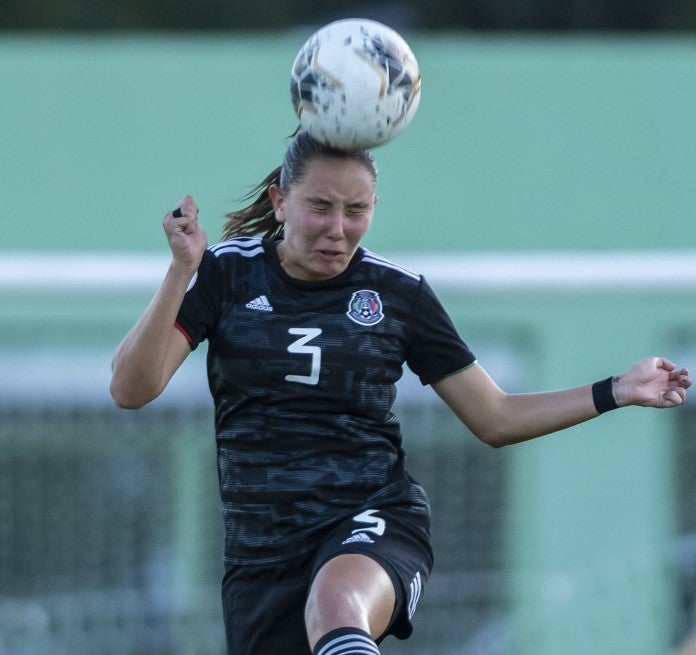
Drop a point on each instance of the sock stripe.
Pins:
(354, 643)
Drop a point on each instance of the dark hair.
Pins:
(258, 218)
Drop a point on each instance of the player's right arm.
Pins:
(154, 348)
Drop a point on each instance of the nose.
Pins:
(335, 227)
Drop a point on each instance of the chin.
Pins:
(320, 276)
(329, 269)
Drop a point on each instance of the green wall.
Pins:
(519, 143)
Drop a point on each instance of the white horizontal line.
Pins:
(81, 271)
(599, 271)
(493, 271)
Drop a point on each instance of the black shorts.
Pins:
(264, 605)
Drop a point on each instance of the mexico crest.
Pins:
(365, 307)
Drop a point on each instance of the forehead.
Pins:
(335, 174)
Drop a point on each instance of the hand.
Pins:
(652, 382)
(186, 237)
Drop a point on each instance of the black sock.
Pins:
(346, 641)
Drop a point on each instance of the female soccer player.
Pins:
(327, 545)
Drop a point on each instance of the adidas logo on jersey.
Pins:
(261, 304)
(360, 537)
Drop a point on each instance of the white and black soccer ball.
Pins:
(355, 83)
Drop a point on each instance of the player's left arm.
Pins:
(499, 418)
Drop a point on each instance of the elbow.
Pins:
(492, 439)
(124, 403)
(496, 428)
(496, 443)
(126, 399)
(493, 435)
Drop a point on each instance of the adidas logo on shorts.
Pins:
(261, 304)
(358, 537)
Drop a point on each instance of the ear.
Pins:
(276, 196)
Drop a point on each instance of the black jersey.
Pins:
(303, 378)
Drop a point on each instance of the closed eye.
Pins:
(318, 204)
(357, 209)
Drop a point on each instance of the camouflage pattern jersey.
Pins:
(303, 379)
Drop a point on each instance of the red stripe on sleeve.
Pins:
(184, 332)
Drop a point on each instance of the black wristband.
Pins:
(603, 395)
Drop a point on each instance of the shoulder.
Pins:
(230, 258)
(237, 247)
(237, 255)
(382, 266)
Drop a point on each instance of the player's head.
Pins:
(258, 218)
(325, 201)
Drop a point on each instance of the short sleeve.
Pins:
(201, 305)
(435, 348)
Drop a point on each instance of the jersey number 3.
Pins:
(300, 347)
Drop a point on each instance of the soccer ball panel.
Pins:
(355, 83)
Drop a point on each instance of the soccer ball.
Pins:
(354, 84)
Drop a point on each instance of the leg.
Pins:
(350, 590)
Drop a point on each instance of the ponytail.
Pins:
(258, 218)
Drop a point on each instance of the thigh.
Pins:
(263, 608)
(398, 539)
(350, 590)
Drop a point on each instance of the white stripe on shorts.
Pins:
(415, 590)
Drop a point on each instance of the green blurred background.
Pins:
(519, 142)
(575, 145)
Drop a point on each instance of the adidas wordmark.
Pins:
(261, 304)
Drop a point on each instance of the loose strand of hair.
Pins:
(257, 218)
